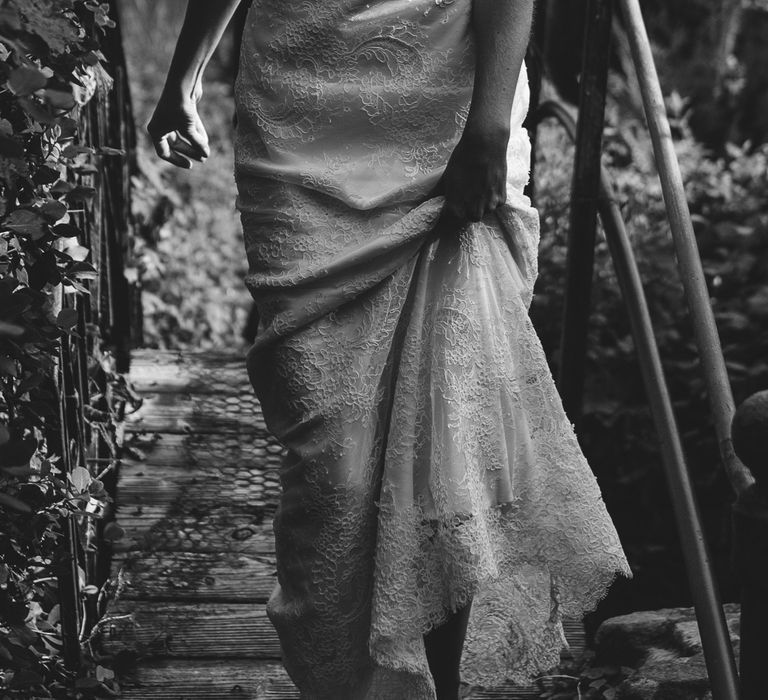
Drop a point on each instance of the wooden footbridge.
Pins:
(196, 499)
(198, 484)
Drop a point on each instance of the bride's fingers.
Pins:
(166, 148)
(191, 151)
(197, 139)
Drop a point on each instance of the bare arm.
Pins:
(176, 130)
(474, 181)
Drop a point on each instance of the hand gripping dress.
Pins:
(429, 460)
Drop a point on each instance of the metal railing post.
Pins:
(583, 213)
(750, 543)
(67, 574)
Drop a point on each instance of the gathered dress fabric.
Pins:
(428, 458)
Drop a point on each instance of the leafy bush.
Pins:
(728, 197)
(50, 66)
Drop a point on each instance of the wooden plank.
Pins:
(214, 630)
(225, 452)
(196, 526)
(162, 371)
(198, 413)
(204, 630)
(576, 636)
(178, 679)
(234, 577)
(213, 680)
(505, 692)
(159, 485)
(145, 501)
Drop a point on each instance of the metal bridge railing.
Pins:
(103, 330)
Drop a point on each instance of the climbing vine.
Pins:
(51, 66)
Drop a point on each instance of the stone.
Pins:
(626, 640)
(664, 647)
(750, 437)
(637, 689)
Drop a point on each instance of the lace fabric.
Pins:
(429, 460)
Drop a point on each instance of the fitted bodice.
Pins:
(362, 100)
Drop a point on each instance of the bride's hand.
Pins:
(474, 181)
(177, 131)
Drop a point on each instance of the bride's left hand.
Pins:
(474, 181)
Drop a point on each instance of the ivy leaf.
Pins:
(85, 168)
(11, 147)
(20, 471)
(69, 128)
(10, 330)
(81, 193)
(108, 151)
(79, 253)
(31, 381)
(67, 230)
(45, 175)
(53, 209)
(113, 532)
(8, 367)
(26, 79)
(13, 503)
(44, 271)
(27, 223)
(67, 319)
(37, 111)
(75, 285)
(80, 478)
(62, 187)
(104, 674)
(60, 96)
(17, 451)
(74, 149)
(5, 435)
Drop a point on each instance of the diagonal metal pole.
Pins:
(698, 564)
(707, 602)
(583, 213)
(722, 670)
(688, 261)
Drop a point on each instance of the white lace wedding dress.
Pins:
(429, 458)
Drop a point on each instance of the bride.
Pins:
(437, 517)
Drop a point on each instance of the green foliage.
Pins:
(728, 197)
(190, 250)
(50, 65)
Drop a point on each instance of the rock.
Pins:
(687, 637)
(647, 689)
(677, 679)
(626, 640)
(637, 689)
(630, 640)
(750, 436)
(664, 646)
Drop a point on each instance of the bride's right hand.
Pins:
(177, 131)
